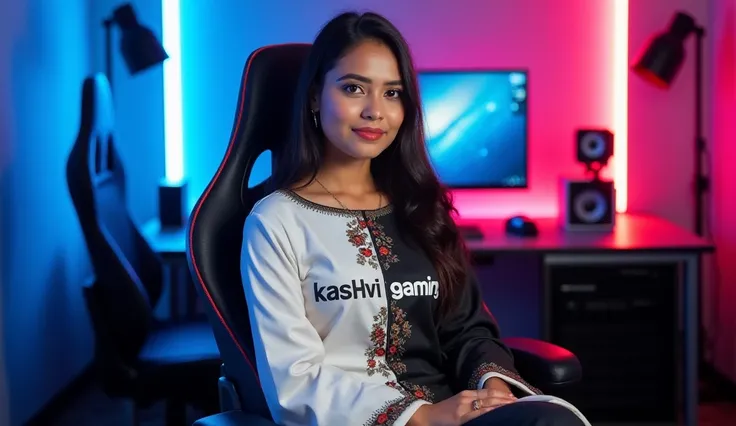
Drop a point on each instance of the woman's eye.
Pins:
(393, 93)
(352, 88)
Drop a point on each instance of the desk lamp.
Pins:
(659, 65)
(139, 46)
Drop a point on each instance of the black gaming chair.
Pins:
(215, 238)
(136, 356)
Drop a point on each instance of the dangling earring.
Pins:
(314, 117)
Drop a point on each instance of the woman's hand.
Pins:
(498, 384)
(461, 408)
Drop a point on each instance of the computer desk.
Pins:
(636, 238)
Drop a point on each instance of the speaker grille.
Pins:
(590, 202)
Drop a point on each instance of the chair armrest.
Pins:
(234, 418)
(543, 364)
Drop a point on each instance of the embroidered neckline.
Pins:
(334, 211)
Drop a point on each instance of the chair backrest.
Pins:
(214, 240)
(128, 272)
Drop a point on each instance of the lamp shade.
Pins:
(139, 46)
(663, 57)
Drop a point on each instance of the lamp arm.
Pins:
(702, 182)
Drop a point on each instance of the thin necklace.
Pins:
(380, 197)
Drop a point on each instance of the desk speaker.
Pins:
(172, 204)
(587, 205)
(594, 147)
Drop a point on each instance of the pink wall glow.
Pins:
(566, 47)
(722, 290)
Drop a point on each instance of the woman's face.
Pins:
(359, 107)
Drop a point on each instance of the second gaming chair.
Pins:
(136, 355)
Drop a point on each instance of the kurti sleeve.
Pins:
(300, 388)
(472, 347)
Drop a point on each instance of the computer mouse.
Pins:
(521, 226)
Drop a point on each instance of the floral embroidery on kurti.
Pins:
(358, 236)
(390, 411)
(400, 333)
(375, 248)
(492, 367)
(384, 244)
(376, 353)
(416, 391)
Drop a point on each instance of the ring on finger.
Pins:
(476, 405)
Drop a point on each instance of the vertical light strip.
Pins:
(620, 97)
(173, 134)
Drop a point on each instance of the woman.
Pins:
(363, 307)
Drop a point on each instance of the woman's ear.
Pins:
(314, 100)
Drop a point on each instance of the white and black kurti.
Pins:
(343, 314)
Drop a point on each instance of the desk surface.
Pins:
(166, 242)
(633, 232)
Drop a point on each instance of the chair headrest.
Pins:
(263, 117)
(96, 128)
(97, 108)
(214, 240)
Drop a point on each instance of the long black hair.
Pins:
(403, 172)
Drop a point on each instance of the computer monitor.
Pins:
(476, 126)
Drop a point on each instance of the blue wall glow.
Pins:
(44, 57)
(46, 50)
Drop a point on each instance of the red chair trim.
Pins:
(235, 134)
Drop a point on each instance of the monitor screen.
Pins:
(476, 127)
